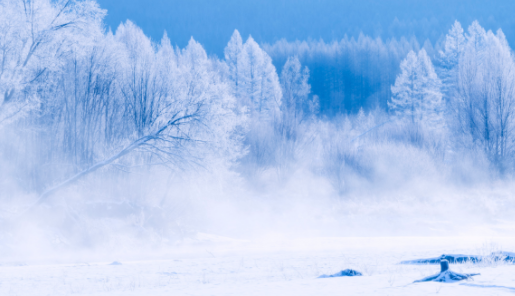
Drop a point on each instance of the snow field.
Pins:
(287, 267)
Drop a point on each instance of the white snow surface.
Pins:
(215, 265)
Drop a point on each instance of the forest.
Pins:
(108, 134)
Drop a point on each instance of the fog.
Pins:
(128, 141)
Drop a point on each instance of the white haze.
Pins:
(262, 157)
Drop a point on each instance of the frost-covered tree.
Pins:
(254, 79)
(200, 86)
(193, 118)
(470, 90)
(416, 94)
(404, 102)
(106, 98)
(236, 61)
(295, 88)
(35, 35)
(432, 106)
(484, 106)
(139, 81)
(84, 112)
(255, 84)
(261, 83)
(449, 60)
(43, 44)
(348, 74)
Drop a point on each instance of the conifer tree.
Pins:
(449, 60)
(235, 59)
(416, 94)
(295, 88)
(253, 79)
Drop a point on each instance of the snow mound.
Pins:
(346, 272)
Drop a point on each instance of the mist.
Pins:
(117, 137)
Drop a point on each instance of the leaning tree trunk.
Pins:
(175, 121)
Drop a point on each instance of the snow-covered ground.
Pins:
(212, 265)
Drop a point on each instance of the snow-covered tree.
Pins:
(485, 104)
(215, 133)
(405, 91)
(254, 79)
(236, 61)
(432, 106)
(295, 88)
(34, 37)
(139, 81)
(449, 60)
(416, 94)
(84, 110)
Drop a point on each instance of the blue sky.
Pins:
(212, 21)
